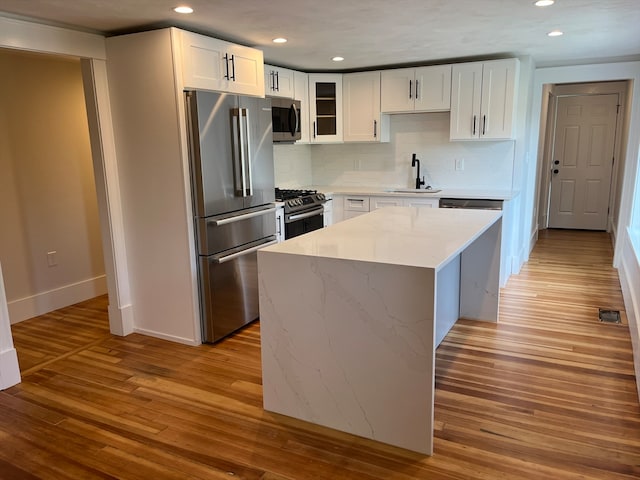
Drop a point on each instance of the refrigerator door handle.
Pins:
(237, 136)
(248, 167)
(239, 218)
(232, 256)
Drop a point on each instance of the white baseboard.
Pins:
(45, 302)
(121, 320)
(9, 369)
(629, 272)
(163, 336)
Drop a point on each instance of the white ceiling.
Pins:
(374, 33)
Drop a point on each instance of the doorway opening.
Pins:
(51, 248)
(581, 170)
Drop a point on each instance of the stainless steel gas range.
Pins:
(303, 211)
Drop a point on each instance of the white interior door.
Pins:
(582, 161)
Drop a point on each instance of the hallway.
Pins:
(548, 392)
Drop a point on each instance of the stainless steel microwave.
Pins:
(285, 115)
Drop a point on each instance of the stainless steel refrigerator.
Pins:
(231, 155)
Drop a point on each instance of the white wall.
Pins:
(427, 135)
(47, 190)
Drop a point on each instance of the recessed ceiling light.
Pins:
(337, 59)
(279, 40)
(555, 33)
(183, 9)
(544, 3)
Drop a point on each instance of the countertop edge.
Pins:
(485, 194)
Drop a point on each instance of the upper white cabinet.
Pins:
(301, 93)
(325, 107)
(361, 108)
(211, 64)
(278, 82)
(483, 100)
(423, 89)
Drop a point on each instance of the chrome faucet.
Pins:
(415, 162)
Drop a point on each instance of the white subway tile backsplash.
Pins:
(486, 164)
(292, 165)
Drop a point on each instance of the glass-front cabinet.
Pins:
(325, 107)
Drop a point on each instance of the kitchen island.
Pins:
(351, 316)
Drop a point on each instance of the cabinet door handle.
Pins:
(233, 68)
(226, 63)
(375, 129)
(410, 88)
(484, 124)
(417, 90)
(273, 82)
(474, 125)
(277, 81)
(314, 129)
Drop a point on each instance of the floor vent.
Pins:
(609, 316)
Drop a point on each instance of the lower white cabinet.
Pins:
(328, 213)
(386, 201)
(280, 224)
(421, 202)
(354, 205)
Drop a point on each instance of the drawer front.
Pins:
(356, 203)
(381, 202)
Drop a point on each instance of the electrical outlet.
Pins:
(459, 164)
(52, 261)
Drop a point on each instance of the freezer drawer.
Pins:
(224, 232)
(229, 290)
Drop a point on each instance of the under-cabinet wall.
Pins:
(485, 164)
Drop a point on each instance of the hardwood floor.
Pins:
(548, 393)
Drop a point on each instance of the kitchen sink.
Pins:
(413, 190)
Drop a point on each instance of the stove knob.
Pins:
(320, 197)
(299, 201)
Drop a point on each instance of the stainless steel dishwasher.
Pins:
(473, 203)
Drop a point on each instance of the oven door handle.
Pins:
(239, 218)
(300, 216)
(232, 256)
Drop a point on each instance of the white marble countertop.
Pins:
(409, 236)
(488, 193)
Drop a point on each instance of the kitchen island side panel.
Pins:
(349, 345)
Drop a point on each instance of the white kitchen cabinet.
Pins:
(354, 205)
(278, 82)
(385, 201)
(280, 224)
(423, 89)
(397, 201)
(212, 64)
(483, 100)
(301, 93)
(361, 108)
(421, 202)
(328, 213)
(325, 107)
